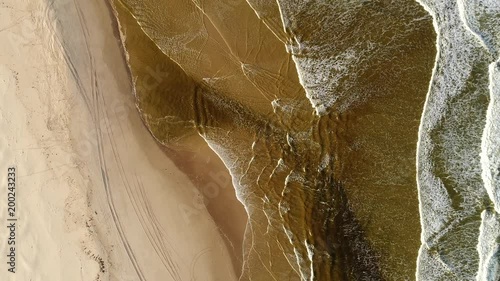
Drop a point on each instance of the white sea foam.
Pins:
(229, 162)
(490, 156)
(304, 275)
(310, 255)
(321, 77)
(482, 18)
(325, 161)
(448, 169)
(326, 75)
(488, 247)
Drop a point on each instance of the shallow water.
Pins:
(314, 107)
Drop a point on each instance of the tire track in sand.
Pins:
(92, 105)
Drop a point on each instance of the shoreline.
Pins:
(209, 175)
(100, 200)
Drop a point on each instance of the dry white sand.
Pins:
(96, 197)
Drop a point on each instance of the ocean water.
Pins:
(457, 188)
(362, 137)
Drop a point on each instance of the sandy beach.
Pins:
(96, 197)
